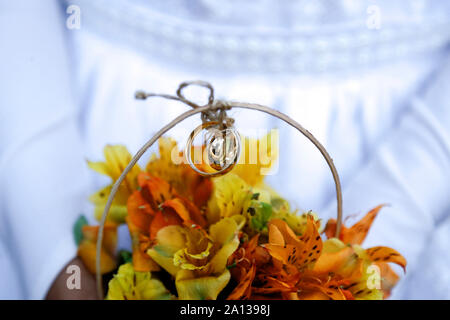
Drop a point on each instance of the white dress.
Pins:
(370, 82)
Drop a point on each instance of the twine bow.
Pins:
(217, 109)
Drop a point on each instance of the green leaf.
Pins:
(261, 213)
(256, 225)
(266, 211)
(78, 227)
(125, 256)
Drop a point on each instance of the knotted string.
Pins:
(216, 111)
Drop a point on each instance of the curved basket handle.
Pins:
(203, 110)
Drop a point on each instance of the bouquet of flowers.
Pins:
(227, 237)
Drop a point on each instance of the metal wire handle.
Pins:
(214, 110)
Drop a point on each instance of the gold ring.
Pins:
(229, 164)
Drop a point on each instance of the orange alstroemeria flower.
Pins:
(140, 242)
(298, 270)
(243, 264)
(293, 257)
(380, 256)
(187, 183)
(87, 248)
(154, 206)
(305, 267)
(358, 232)
(275, 268)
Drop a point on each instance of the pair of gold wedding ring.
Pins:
(221, 148)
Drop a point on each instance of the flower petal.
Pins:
(243, 288)
(118, 210)
(223, 231)
(163, 219)
(163, 261)
(219, 261)
(178, 206)
(388, 278)
(142, 262)
(275, 235)
(87, 248)
(204, 288)
(301, 252)
(169, 240)
(358, 232)
(230, 196)
(129, 284)
(87, 252)
(155, 190)
(385, 254)
(139, 212)
(251, 170)
(117, 158)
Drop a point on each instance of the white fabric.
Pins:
(265, 35)
(411, 172)
(42, 171)
(386, 125)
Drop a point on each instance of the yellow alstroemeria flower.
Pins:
(169, 240)
(257, 158)
(128, 284)
(117, 158)
(232, 191)
(164, 166)
(230, 197)
(196, 259)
